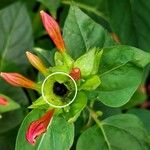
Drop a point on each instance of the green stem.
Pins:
(95, 116)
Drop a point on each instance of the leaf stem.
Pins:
(95, 116)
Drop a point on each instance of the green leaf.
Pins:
(68, 61)
(40, 103)
(117, 132)
(86, 62)
(81, 33)
(97, 59)
(76, 107)
(121, 72)
(63, 59)
(132, 27)
(143, 114)
(58, 59)
(12, 105)
(91, 84)
(59, 135)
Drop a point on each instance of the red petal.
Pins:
(38, 127)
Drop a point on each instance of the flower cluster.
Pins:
(83, 74)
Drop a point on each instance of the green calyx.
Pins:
(58, 89)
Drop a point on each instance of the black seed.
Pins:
(59, 89)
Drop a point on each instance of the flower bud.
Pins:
(38, 127)
(36, 62)
(17, 79)
(53, 30)
(75, 74)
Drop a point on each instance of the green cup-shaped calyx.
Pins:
(59, 89)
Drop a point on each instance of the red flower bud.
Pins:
(38, 127)
(75, 73)
(3, 101)
(53, 30)
(17, 79)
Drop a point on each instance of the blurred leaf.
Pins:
(144, 115)
(107, 111)
(117, 132)
(121, 72)
(7, 140)
(81, 33)
(96, 9)
(15, 93)
(11, 120)
(15, 39)
(16, 36)
(137, 99)
(59, 134)
(8, 122)
(133, 25)
(94, 6)
(5, 3)
(12, 105)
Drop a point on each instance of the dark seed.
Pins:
(59, 89)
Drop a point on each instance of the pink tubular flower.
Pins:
(38, 127)
(17, 79)
(53, 30)
(36, 62)
(3, 101)
(75, 73)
